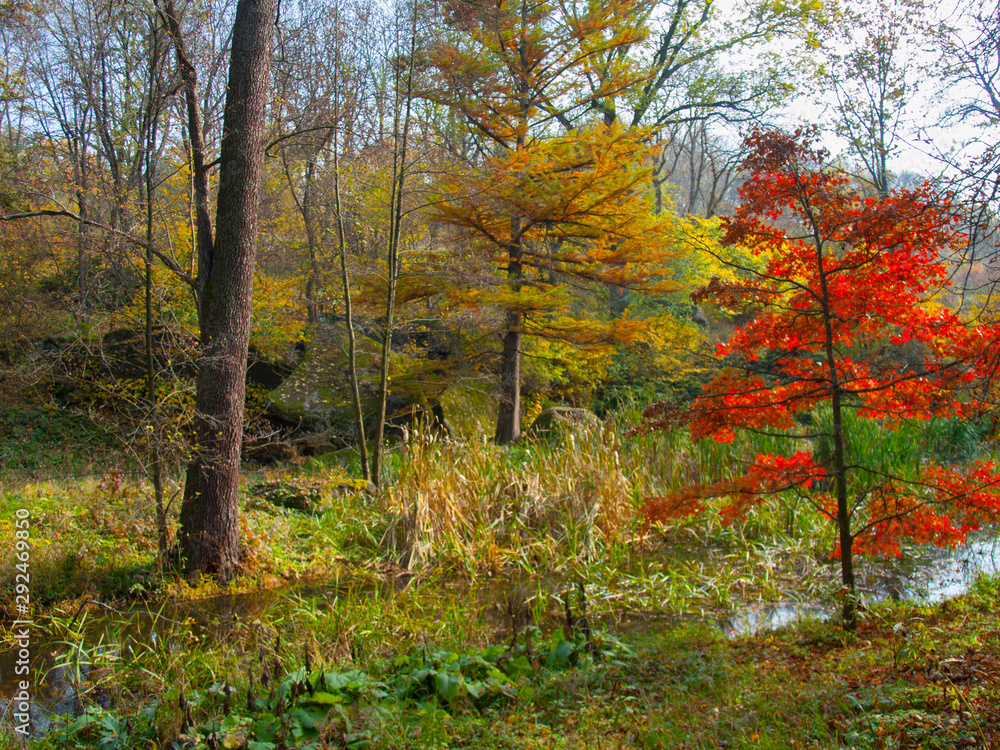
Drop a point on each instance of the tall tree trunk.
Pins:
(509, 416)
(850, 609)
(151, 122)
(209, 514)
(352, 347)
(199, 168)
(155, 459)
(401, 132)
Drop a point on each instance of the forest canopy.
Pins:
(518, 198)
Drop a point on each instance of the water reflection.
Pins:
(72, 669)
(931, 575)
(770, 617)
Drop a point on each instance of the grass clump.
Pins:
(481, 507)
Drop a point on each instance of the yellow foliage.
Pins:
(569, 373)
(278, 317)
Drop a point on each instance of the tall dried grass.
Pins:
(478, 504)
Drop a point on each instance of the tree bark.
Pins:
(199, 169)
(400, 137)
(509, 416)
(209, 514)
(154, 108)
(338, 214)
(509, 419)
(850, 608)
(315, 281)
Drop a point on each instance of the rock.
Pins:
(558, 420)
(268, 374)
(300, 495)
(317, 394)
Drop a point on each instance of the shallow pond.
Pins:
(930, 575)
(103, 634)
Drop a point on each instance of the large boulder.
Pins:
(317, 394)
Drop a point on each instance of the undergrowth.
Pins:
(912, 676)
(427, 614)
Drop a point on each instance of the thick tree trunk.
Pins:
(209, 514)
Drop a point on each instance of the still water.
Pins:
(932, 575)
(105, 634)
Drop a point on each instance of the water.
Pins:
(931, 576)
(945, 574)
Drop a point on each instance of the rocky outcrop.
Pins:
(317, 394)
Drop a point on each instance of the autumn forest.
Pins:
(499, 374)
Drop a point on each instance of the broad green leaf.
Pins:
(323, 698)
(449, 685)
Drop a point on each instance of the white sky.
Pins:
(922, 139)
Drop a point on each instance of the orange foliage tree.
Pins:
(842, 319)
(549, 194)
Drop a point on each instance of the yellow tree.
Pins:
(551, 194)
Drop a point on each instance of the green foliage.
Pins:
(51, 441)
(900, 451)
(985, 589)
(301, 495)
(307, 707)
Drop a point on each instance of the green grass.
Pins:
(911, 677)
(467, 544)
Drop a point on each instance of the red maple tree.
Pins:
(843, 316)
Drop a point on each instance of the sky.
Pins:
(923, 140)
